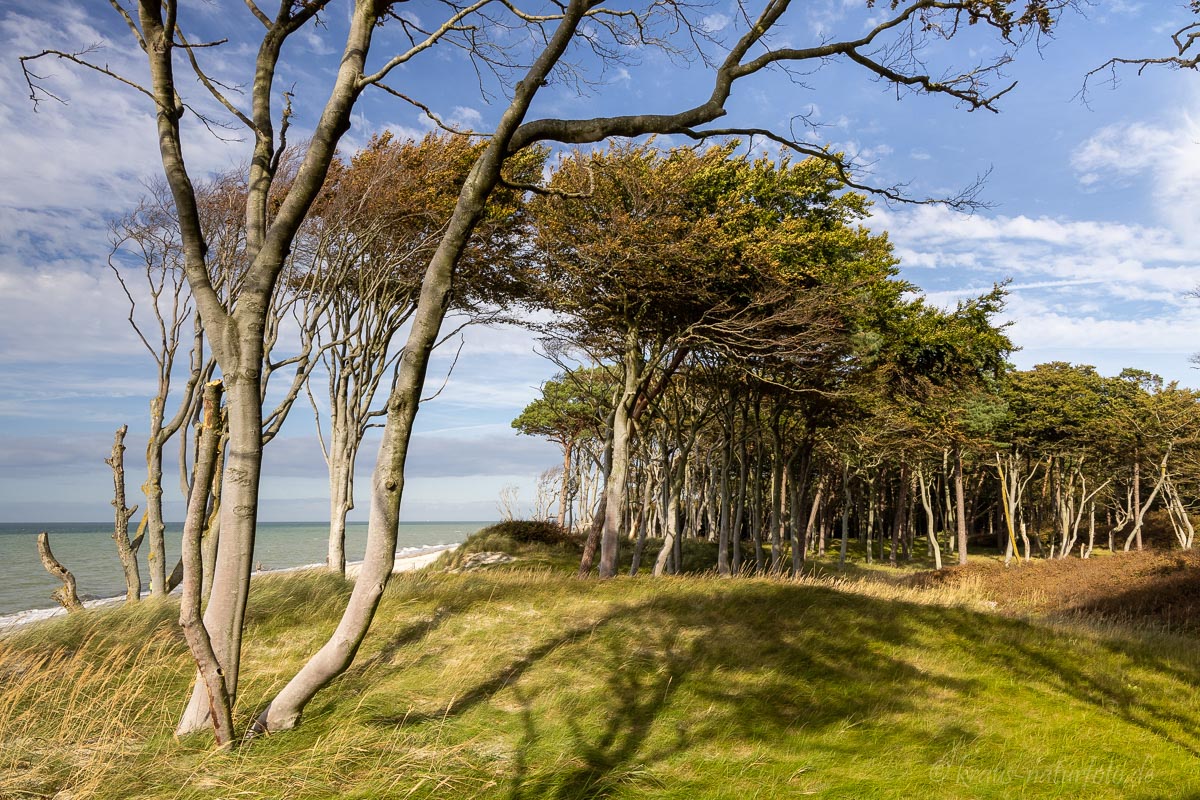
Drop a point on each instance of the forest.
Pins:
(739, 361)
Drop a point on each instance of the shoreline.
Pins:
(408, 559)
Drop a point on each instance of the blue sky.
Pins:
(1093, 218)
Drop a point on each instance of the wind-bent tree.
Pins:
(573, 405)
(370, 235)
(887, 49)
(921, 19)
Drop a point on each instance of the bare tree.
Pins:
(126, 548)
(151, 234)
(889, 50)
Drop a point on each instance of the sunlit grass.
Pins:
(523, 682)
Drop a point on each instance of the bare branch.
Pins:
(449, 371)
(445, 28)
(428, 112)
(209, 84)
(35, 87)
(257, 12)
(137, 34)
(967, 199)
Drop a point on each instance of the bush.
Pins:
(530, 531)
(518, 537)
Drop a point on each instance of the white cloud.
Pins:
(1167, 155)
(1083, 291)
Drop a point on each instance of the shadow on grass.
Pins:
(694, 669)
(764, 658)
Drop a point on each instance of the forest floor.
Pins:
(521, 681)
(1151, 589)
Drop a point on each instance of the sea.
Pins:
(88, 550)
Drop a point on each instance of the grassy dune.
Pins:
(523, 682)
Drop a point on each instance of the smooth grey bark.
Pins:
(615, 489)
(673, 468)
(237, 335)
(898, 519)
(726, 508)
(801, 543)
(340, 459)
(930, 521)
(960, 506)
(778, 476)
(739, 515)
(643, 529)
(387, 487)
(211, 672)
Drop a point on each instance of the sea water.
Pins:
(88, 550)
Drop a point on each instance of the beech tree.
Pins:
(572, 406)
(366, 244)
(886, 50)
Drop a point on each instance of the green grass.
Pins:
(527, 683)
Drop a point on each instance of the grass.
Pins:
(522, 682)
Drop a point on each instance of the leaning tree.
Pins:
(560, 42)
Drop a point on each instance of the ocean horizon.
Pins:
(87, 549)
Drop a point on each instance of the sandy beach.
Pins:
(407, 561)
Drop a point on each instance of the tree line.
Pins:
(277, 242)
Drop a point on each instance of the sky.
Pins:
(1092, 201)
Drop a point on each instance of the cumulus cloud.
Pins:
(1109, 293)
(1167, 155)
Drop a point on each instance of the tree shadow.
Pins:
(607, 760)
(458, 603)
(763, 661)
(500, 679)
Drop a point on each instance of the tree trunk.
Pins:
(798, 563)
(1138, 510)
(126, 549)
(845, 515)
(230, 589)
(725, 524)
(930, 523)
(212, 676)
(155, 526)
(622, 441)
(898, 519)
(342, 452)
(960, 508)
(643, 529)
(388, 482)
(565, 488)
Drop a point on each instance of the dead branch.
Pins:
(65, 595)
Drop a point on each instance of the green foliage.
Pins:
(531, 531)
(537, 541)
(664, 240)
(570, 406)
